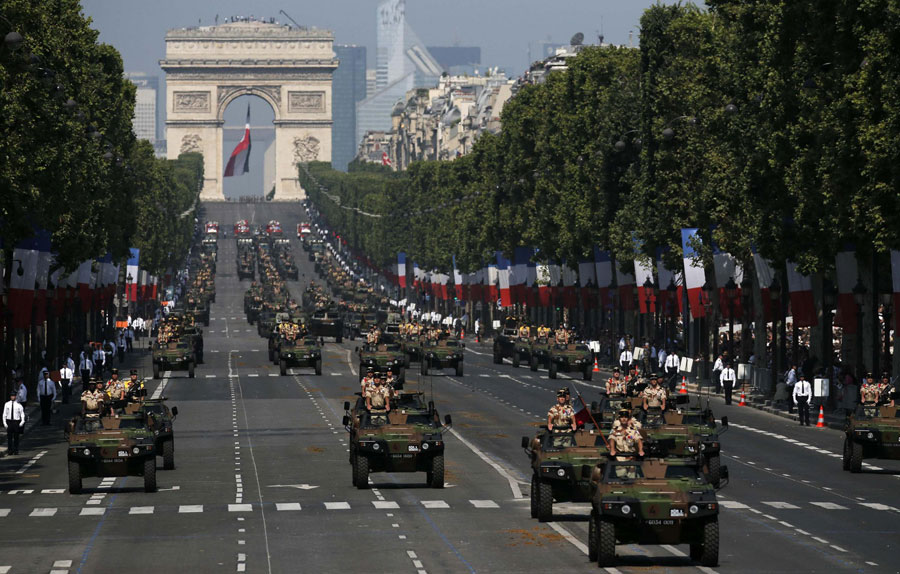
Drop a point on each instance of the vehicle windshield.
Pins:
(559, 440)
(131, 424)
(683, 472)
(420, 420)
(620, 471)
(695, 419)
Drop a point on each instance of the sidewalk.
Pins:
(34, 431)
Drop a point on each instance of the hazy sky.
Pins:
(509, 33)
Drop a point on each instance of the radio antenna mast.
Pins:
(288, 16)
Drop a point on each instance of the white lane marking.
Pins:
(62, 564)
(43, 512)
(829, 505)
(838, 548)
(253, 374)
(337, 506)
(240, 508)
(162, 386)
(141, 510)
(350, 362)
(336, 374)
(781, 505)
(287, 506)
(4, 512)
(484, 504)
(875, 505)
(190, 508)
(92, 512)
(821, 540)
(732, 504)
(435, 504)
(574, 541)
(513, 483)
(384, 504)
(210, 376)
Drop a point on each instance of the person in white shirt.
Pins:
(718, 367)
(22, 394)
(98, 359)
(673, 361)
(86, 366)
(802, 396)
(625, 359)
(13, 422)
(129, 338)
(46, 390)
(66, 374)
(661, 359)
(728, 379)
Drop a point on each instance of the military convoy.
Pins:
(408, 438)
(871, 432)
(300, 352)
(382, 357)
(443, 354)
(504, 346)
(574, 357)
(327, 323)
(121, 445)
(173, 356)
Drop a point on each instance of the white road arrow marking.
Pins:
(297, 486)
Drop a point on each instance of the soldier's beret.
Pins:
(561, 393)
(624, 413)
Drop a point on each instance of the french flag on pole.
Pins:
(503, 271)
(401, 269)
(240, 157)
(131, 274)
(847, 276)
(625, 281)
(803, 307)
(604, 272)
(694, 274)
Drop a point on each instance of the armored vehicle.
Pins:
(443, 354)
(327, 323)
(358, 324)
(246, 269)
(654, 501)
(300, 352)
(382, 357)
(412, 346)
(111, 446)
(701, 425)
(406, 439)
(159, 418)
(265, 323)
(871, 432)
(505, 340)
(557, 459)
(173, 356)
(575, 357)
(199, 310)
(534, 352)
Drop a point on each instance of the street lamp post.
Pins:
(859, 297)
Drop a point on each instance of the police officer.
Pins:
(728, 379)
(13, 421)
(802, 396)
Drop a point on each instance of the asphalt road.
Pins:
(262, 481)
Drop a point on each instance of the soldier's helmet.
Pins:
(562, 393)
(624, 413)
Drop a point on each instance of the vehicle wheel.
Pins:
(155, 370)
(74, 477)
(516, 360)
(191, 369)
(339, 339)
(606, 542)
(592, 537)
(715, 470)
(552, 370)
(361, 472)
(459, 369)
(353, 467)
(424, 367)
(319, 367)
(846, 459)
(545, 501)
(534, 496)
(588, 373)
(856, 457)
(533, 364)
(437, 472)
(150, 474)
(498, 358)
(709, 553)
(168, 452)
(282, 367)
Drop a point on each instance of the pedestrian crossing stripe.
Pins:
(829, 505)
(782, 505)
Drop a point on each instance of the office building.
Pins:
(457, 60)
(348, 88)
(145, 119)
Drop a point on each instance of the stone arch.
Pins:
(227, 94)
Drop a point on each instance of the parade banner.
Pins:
(42, 278)
(503, 272)
(803, 306)
(668, 300)
(625, 282)
(726, 267)
(895, 282)
(131, 270)
(604, 273)
(401, 269)
(21, 283)
(694, 273)
(765, 274)
(587, 279)
(846, 275)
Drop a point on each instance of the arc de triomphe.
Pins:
(208, 67)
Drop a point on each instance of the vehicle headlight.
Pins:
(136, 450)
(694, 509)
(626, 509)
(425, 446)
(870, 435)
(561, 472)
(376, 446)
(87, 452)
(702, 446)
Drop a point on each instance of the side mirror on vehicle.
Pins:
(447, 420)
(725, 421)
(346, 405)
(346, 420)
(174, 411)
(586, 471)
(431, 406)
(526, 442)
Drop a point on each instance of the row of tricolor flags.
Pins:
(601, 283)
(94, 282)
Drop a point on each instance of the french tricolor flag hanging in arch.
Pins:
(240, 157)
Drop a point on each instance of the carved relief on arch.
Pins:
(306, 149)
(191, 101)
(270, 93)
(191, 143)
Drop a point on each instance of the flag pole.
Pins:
(590, 414)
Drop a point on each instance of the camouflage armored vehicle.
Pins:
(159, 418)
(534, 352)
(574, 357)
(246, 267)
(701, 424)
(300, 352)
(557, 459)
(407, 439)
(443, 354)
(505, 340)
(871, 432)
(110, 446)
(265, 323)
(199, 310)
(327, 323)
(173, 356)
(413, 346)
(654, 501)
(316, 247)
(382, 357)
(194, 335)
